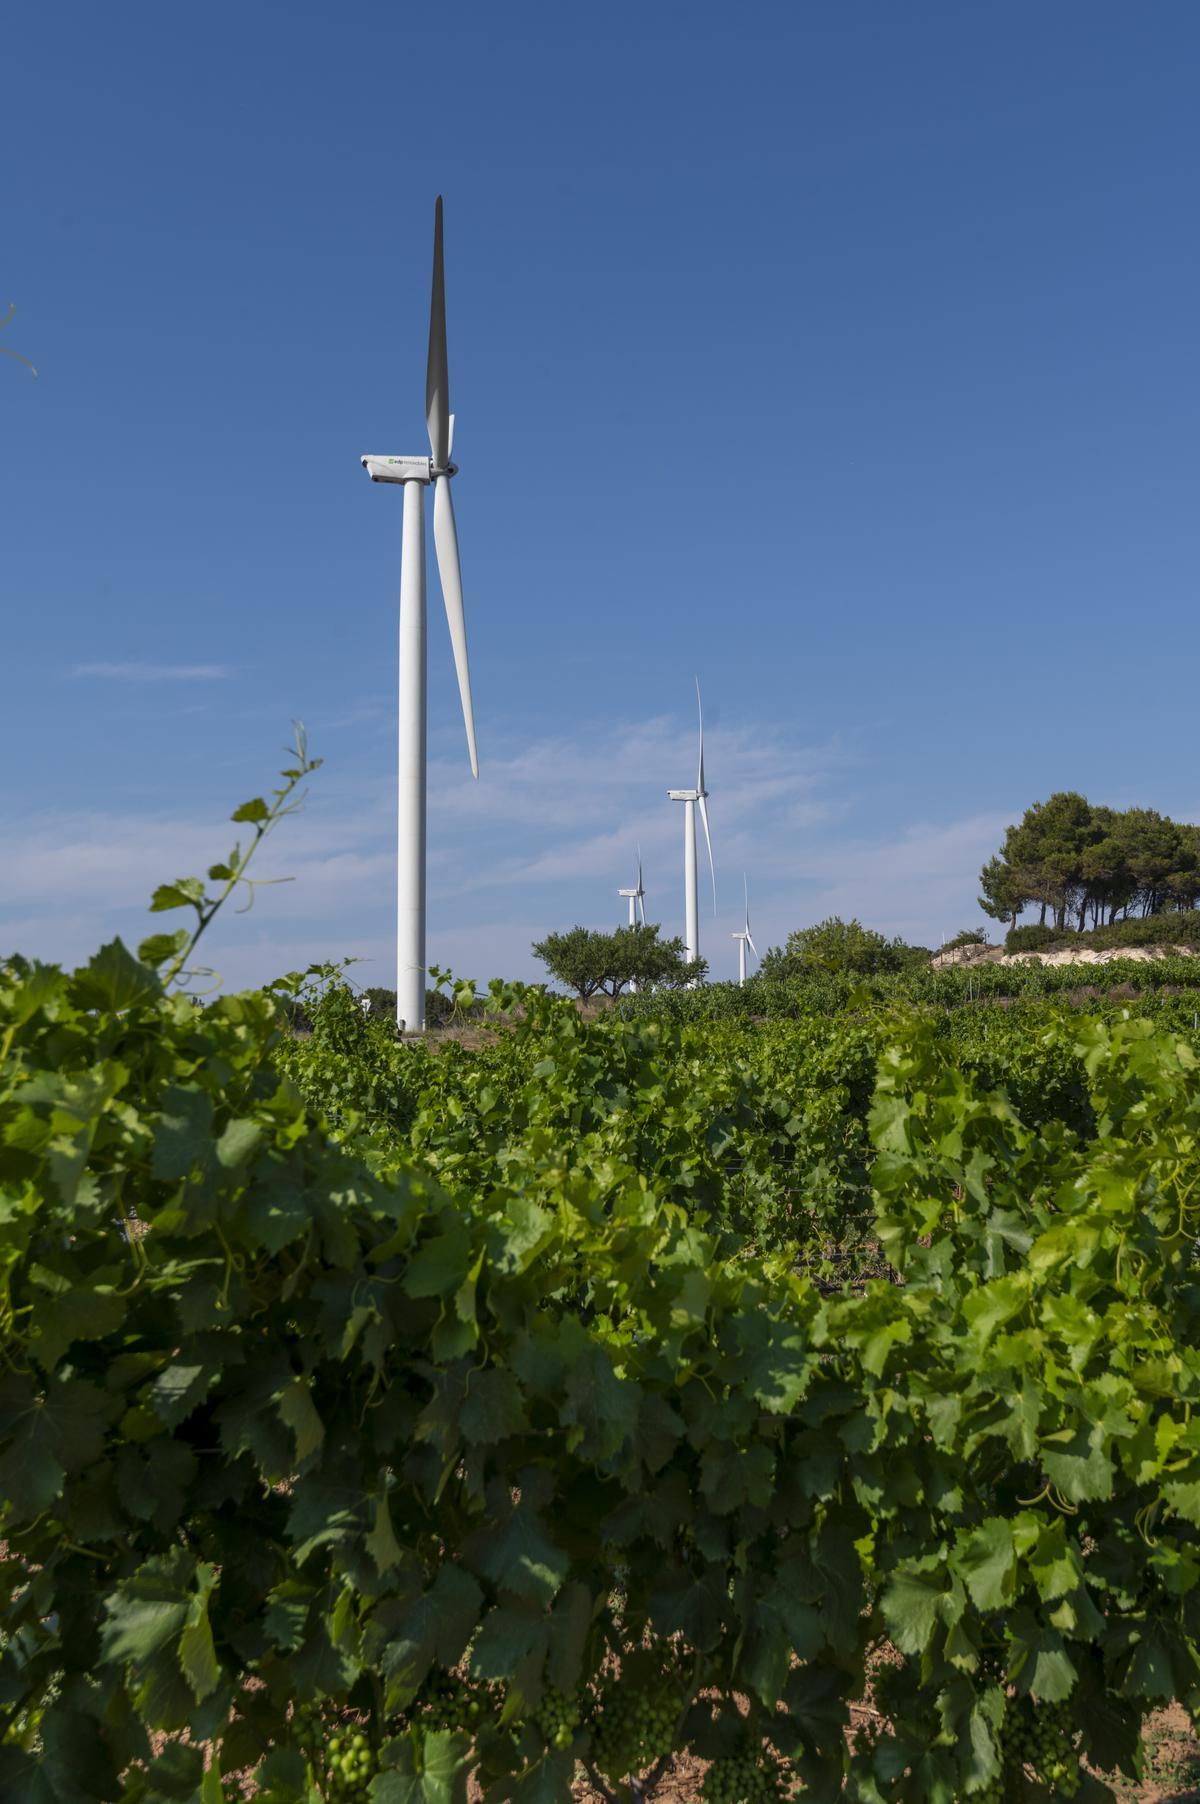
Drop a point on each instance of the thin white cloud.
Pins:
(155, 673)
(545, 838)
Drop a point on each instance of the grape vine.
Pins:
(523, 1420)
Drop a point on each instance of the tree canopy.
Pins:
(588, 962)
(837, 945)
(1086, 865)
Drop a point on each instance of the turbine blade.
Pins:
(641, 905)
(445, 539)
(437, 374)
(450, 442)
(700, 712)
(708, 842)
(639, 853)
(751, 944)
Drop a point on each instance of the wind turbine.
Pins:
(743, 938)
(689, 798)
(415, 474)
(636, 901)
(636, 896)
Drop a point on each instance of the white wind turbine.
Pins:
(636, 896)
(743, 938)
(416, 473)
(689, 798)
(636, 901)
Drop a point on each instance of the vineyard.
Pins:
(808, 1395)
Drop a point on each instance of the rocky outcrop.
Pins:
(1061, 955)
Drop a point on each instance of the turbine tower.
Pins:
(416, 474)
(743, 938)
(636, 896)
(689, 798)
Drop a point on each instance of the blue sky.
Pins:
(843, 355)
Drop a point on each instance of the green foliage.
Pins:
(589, 962)
(523, 1418)
(841, 948)
(1082, 863)
(169, 953)
(440, 1009)
(323, 1431)
(1032, 938)
(970, 936)
(820, 994)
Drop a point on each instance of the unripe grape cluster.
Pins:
(450, 1702)
(310, 1729)
(635, 1726)
(746, 1778)
(557, 1716)
(350, 1765)
(344, 1759)
(1040, 1736)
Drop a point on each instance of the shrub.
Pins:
(970, 936)
(1173, 928)
(840, 948)
(1034, 939)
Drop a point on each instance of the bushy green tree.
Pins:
(643, 960)
(591, 963)
(835, 945)
(577, 959)
(1083, 865)
(1004, 890)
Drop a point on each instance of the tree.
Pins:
(589, 962)
(641, 958)
(1088, 864)
(837, 945)
(576, 959)
(1003, 891)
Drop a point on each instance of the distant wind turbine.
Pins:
(743, 938)
(636, 896)
(689, 798)
(416, 473)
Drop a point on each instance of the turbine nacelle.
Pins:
(685, 795)
(635, 897)
(404, 469)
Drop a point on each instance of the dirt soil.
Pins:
(1172, 1762)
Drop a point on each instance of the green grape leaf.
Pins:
(435, 1775)
(298, 1410)
(986, 1562)
(114, 979)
